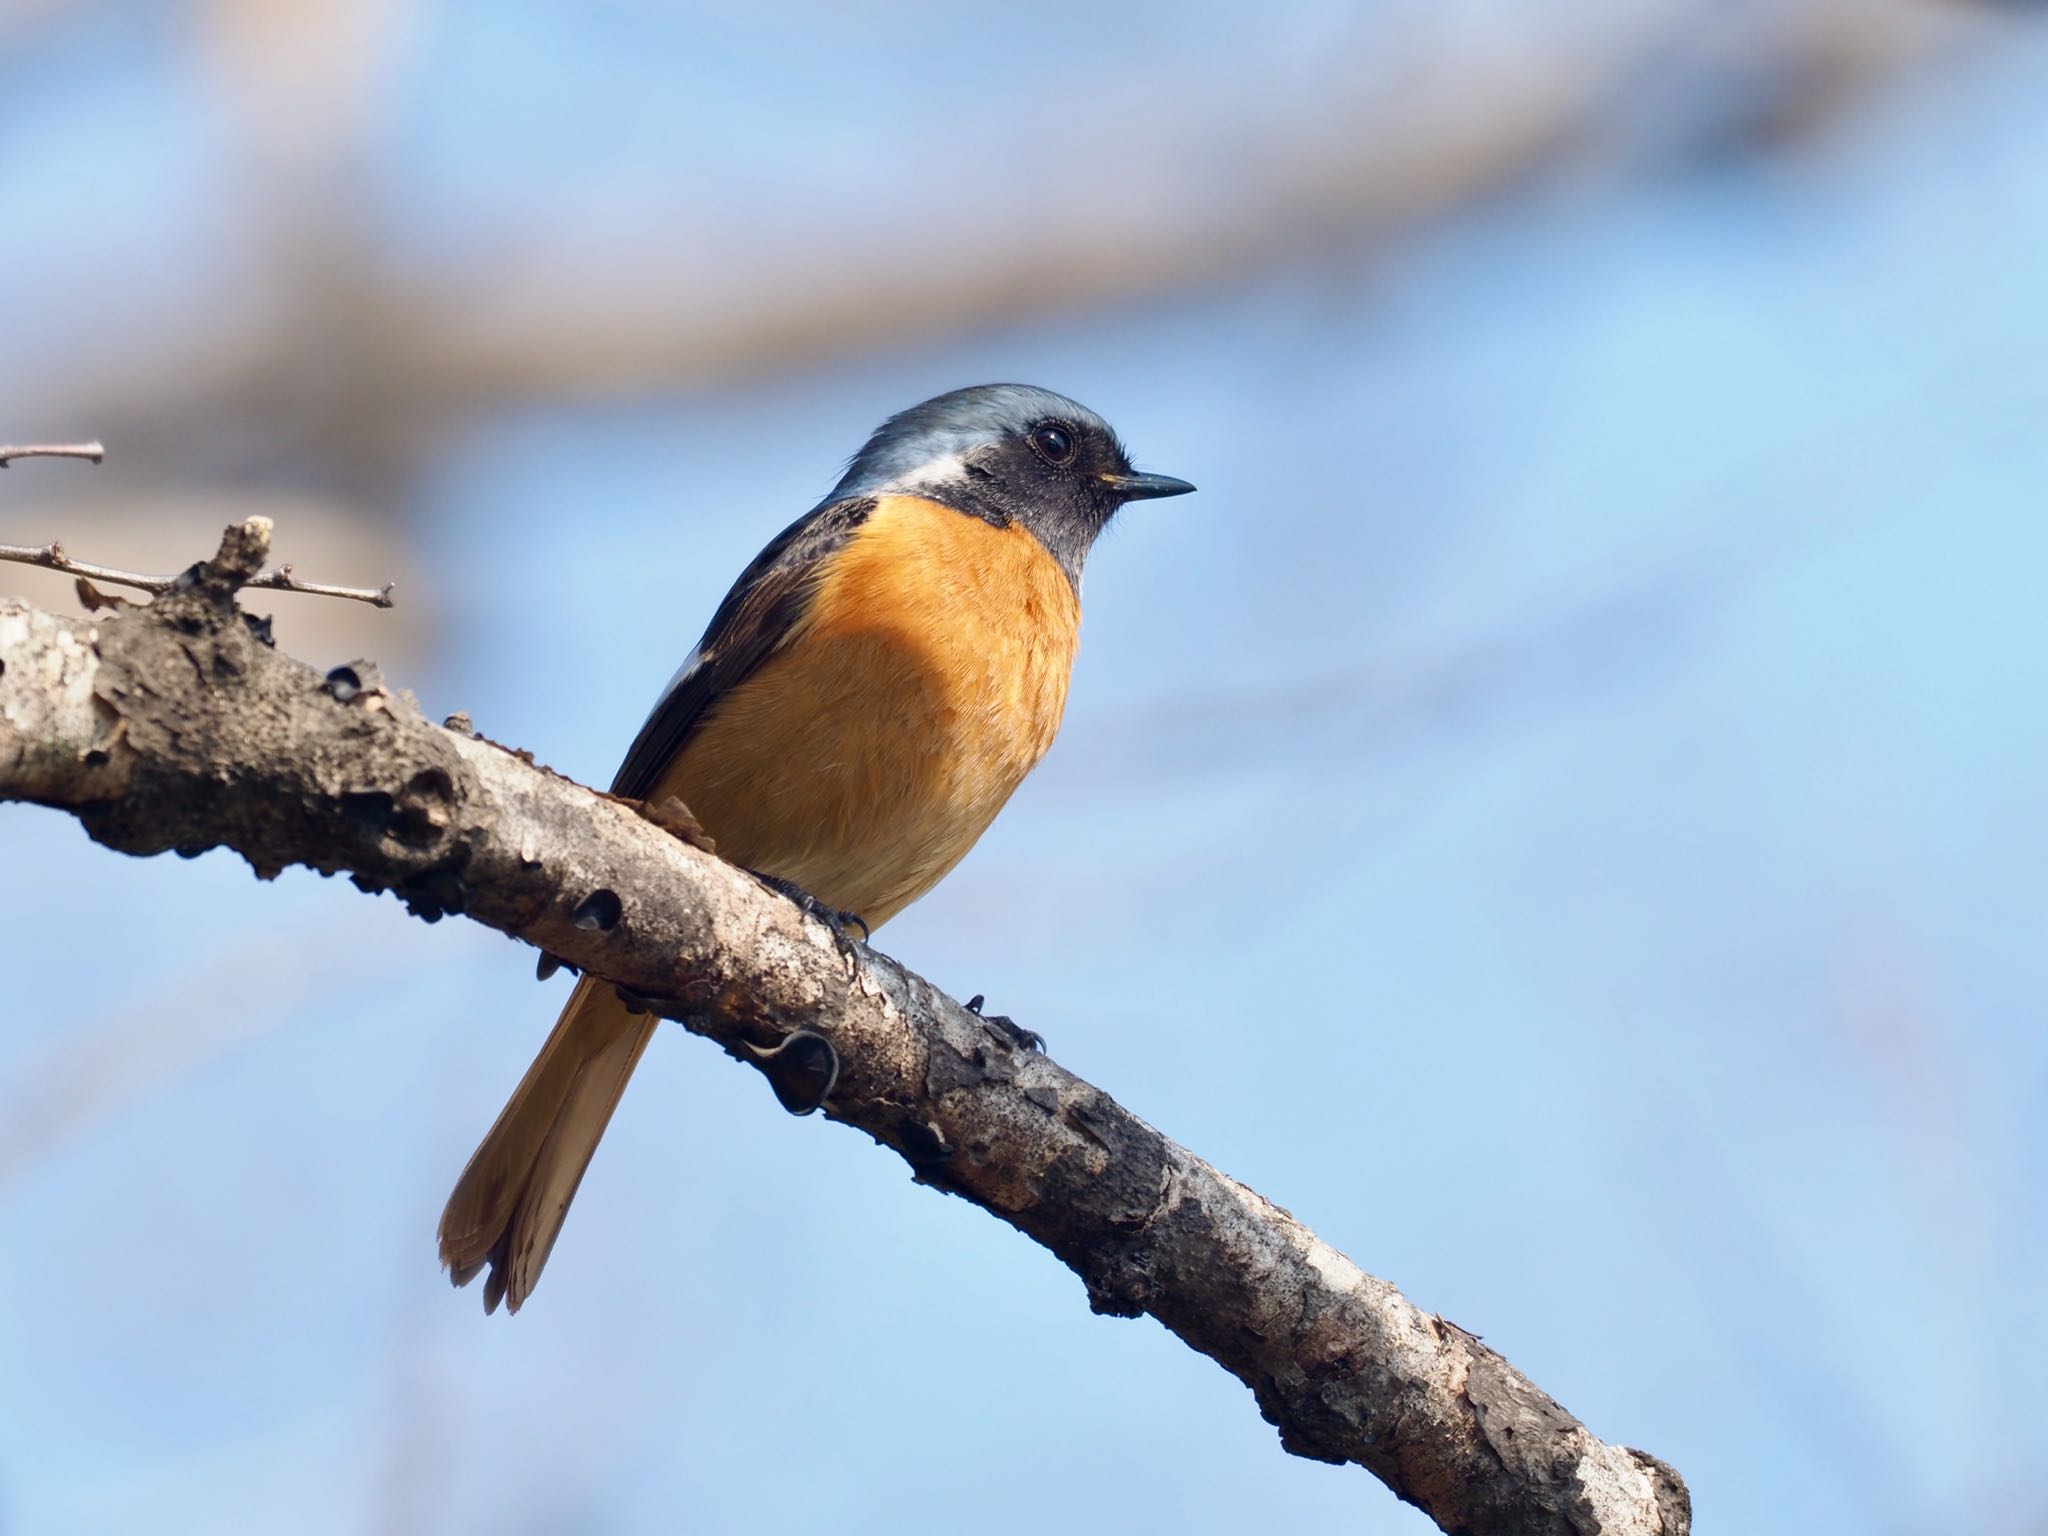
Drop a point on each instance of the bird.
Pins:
(866, 697)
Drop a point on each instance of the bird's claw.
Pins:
(831, 917)
(1020, 1037)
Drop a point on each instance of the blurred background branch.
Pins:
(348, 326)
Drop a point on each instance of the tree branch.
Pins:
(175, 726)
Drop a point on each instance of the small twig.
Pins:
(91, 451)
(51, 557)
(283, 580)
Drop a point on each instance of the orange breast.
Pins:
(864, 758)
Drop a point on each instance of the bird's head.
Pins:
(1011, 454)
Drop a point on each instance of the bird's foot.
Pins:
(1023, 1039)
(839, 922)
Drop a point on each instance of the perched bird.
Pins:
(870, 692)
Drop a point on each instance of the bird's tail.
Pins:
(509, 1203)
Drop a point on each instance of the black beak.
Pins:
(1135, 487)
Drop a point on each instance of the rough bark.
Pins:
(176, 726)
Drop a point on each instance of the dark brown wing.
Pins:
(755, 618)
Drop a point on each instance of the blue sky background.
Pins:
(1561, 811)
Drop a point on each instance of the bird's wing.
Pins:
(757, 616)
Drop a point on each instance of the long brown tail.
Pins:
(509, 1203)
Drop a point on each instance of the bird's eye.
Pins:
(1053, 443)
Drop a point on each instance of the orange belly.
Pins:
(927, 677)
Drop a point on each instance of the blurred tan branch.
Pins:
(362, 355)
(172, 726)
